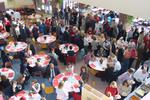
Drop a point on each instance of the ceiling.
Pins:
(136, 8)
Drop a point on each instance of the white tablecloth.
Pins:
(97, 65)
(9, 73)
(19, 46)
(65, 48)
(46, 39)
(4, 35)
(26, 95)
(41, 59)
(71, 84)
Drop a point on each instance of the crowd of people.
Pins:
(127, 52)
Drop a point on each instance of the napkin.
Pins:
(75, 85)
(59, 76)
(5, 69)
(68, 73)
(21, 93)
(92, 65)
(77, 77)
(76, 48)
(11, 74)
(55, 83)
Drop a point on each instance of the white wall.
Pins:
(16, 3)
(137, 8)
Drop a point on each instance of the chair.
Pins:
(47, 90)
(43, 46)
(76, 96)
(71, 59)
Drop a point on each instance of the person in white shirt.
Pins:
(35, 86)
(61, 93)
(140, 75)
(117, 66)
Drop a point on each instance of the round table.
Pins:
(97, 65)
(72, 81)
(89, 38)
(26, 95)
(45, 39)
(16, 47)
(41, 59)
(9, 73)
(4, 35)
(36, 16)
(65, 48)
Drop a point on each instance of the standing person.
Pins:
(61, 93)
(35, 31)
(42, 28)
(84, 74)
(135, 35)
(130, 34)
(127, 56)
(48, 24)
(51, 72)
(80, 21)
(66, 15)
(7, 24)
(140, 75)
(124, 89)
(35, 86)
(133, 54)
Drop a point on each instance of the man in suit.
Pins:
(51, 72)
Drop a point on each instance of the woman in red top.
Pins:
(113, 89)
(7, 24)
(133, 54)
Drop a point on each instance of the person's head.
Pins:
(144, 68)
(61, 84)
(66, 28)
(83, 69)
(34, 81)
(125, 83)
(22, 98)
(113, 84)
(70, 47)
(3, 78)
(52, 65)
(131, 71)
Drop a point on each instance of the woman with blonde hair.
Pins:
(113, 90)
(61, 93)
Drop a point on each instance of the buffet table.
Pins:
(142, 92)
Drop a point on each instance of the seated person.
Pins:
(70, 52)
(126, 76)
(112, 89)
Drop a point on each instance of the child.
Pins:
(84, 74)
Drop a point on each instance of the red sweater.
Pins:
(113, 91)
